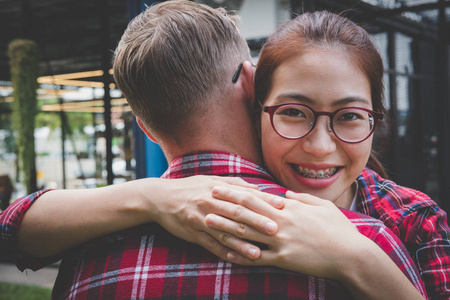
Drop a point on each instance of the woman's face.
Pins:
(325, 80)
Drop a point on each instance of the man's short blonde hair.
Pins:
(175, 57)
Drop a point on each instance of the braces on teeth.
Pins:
(319, 174)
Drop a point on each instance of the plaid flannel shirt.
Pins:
(147, 262)
(417, 221)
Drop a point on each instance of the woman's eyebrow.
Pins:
(348, 100)
(306, 100)
(294, 96)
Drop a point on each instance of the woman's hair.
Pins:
(325, 30)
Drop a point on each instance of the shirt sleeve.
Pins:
(391, 245)
(10, 220)
(427, 238)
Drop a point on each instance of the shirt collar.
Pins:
(353, 206)
(214, 163)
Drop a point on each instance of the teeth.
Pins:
(316, 173)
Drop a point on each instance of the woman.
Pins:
(319, 83)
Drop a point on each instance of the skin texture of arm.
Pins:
(61, 219)
(336, 251)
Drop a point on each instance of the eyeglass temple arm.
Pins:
(236, 74)
(379, 115)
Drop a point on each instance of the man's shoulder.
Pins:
(359, 219)
(368, 226)
(266, 185)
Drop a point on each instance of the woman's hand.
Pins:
(181, 206)
(313, 237)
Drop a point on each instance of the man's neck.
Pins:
(228, 128)
(254, 155)
(243, 143)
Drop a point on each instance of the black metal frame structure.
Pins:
(79, 35)
(426, 125)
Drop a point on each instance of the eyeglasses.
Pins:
(237, 73)
(349, 124)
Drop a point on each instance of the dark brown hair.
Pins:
(323, 29)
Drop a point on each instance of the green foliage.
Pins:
(51, 120)
(23, 55)
(23, 292)
(76, 120)
(8, 142)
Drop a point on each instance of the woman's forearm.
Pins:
(371, 274)
(61, 219)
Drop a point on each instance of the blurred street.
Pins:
(44, 277)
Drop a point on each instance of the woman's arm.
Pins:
(314, 237)
(61, 219)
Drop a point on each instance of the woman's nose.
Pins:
(321, 140)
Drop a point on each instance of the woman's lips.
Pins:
(316, 178)
(315, 173)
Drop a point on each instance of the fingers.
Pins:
(238, 182)
(236, 258)
(237, 229)
(230, 235)
(248, 197)
(267, 258)
(211, 244)
(306, 198)
(236, 213)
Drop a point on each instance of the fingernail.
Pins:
(231, 256)
(252, 252)
(210, 219)
(271, 227)
(277, 201)
(217, 189)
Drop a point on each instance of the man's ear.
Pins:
(247, 74)
(144, 129)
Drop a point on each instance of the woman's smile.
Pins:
(315, 173)
(319, 163)
(316, 178)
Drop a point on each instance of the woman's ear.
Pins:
(145, 130)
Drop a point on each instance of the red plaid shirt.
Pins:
(417, 221)
(147, 262)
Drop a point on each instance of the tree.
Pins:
(23, 55)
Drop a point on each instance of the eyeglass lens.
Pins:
(348, 124)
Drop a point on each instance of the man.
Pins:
(176, 64)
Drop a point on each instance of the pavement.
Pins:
(44, 277)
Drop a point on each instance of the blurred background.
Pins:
(85, 134)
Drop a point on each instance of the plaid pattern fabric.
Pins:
(417, 221)
(146, 262)
(10, 220)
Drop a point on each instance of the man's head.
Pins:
(175, 62)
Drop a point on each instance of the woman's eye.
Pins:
(292, 112)
(349, 116)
